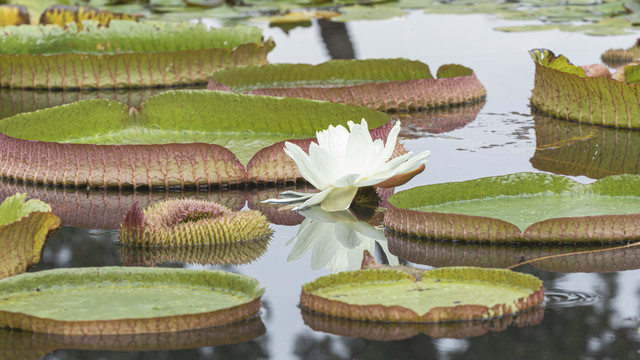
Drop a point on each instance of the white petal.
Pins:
(359, 149)
(339, 199)
(325, 165)
(390, 143)
(414, 162)
(315, 199)
(307, 234)
(316, 213)
(347, 180)
(303, 162)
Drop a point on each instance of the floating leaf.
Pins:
(190, 223)
(562, 90)
(524, 28)
(360, 12)
(383, 84)
(16, 344)
(13, 14)
(61, 15)
(117, 301)
(381, 331)
(102, 143)
(16, 101)
(125, 54)
(24, 228)
(521, 207)
(568, 258)
(578, 149)
(445, 294)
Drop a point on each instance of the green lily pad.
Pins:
(563, 90)
(17, 344)
(445, 294)
(191, 222)
(116, 300)
(579, 149)
(383, 84)
(24, 228)
(16, 101)
(585, 258)
(173, 140)
(381, 331)
(125, 54)
(521, 207)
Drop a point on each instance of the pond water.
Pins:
(592, 309)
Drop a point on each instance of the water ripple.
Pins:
(565, 298)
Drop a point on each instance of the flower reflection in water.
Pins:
(337, 240)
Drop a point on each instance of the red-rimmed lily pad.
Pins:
(618, 57)
(440, 295)
(175, 139)
(586, 258)
(521, 207)
(383, 84)
(125, 54)
(17, 344)
(117, 301)
(381, 331)
(24, 228)
(566, 91)
(188, 222)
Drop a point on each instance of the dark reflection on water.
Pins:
(569, 148)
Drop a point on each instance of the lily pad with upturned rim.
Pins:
(116, 300)
(544, 207)
(125, 54)
(564, 91)
(585, 258)
(380, 331)
(173, 140)
(25, 345)
(24, 228)
(441, 295)
(382, 84)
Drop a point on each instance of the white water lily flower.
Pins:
(344, 160)
(337, 240)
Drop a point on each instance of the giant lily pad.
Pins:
(125, 54)
(381, 331)
(521, 207)
(445, 294)
(115, 300)
(16, 101)
(189, 222)
(564, 91)
(383, 84)
(24, 228)
(586, 258)
(16, 344)
(101, 143)
(579, 149)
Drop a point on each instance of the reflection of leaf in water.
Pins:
(579, 149)
(337, 240)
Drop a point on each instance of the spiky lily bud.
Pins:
(190, 222)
